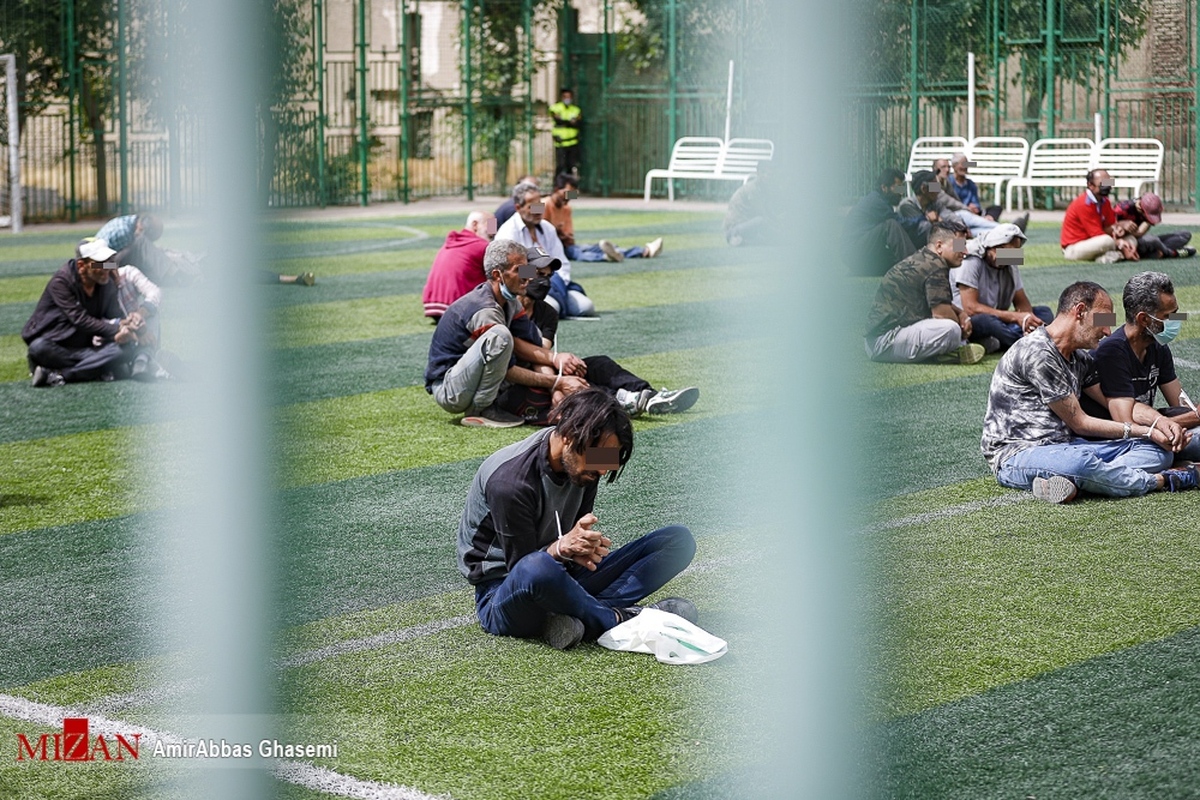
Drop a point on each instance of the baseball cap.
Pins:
(95, 250)
(1152, 207)
(537, 258)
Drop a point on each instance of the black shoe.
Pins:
(678, 606)
(47, 377)
(140, 364)
(562, 632)
(1022, 221)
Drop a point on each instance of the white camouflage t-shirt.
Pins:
(1030, 376)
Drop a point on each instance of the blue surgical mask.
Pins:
(507, 294)
(1169, 332)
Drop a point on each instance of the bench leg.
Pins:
(649, 180)
(671, 189)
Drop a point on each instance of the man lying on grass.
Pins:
(1135, 362)
(1033, 428)
(527, 540)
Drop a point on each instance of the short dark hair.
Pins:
(152, 226)
(947, 229)
(566, 90)
(1078, 292)
(587, 416)
(888, 177)
(920, 179)
(1143, 293)
(565, 179)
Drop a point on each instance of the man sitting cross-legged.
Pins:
(1136, 361)
(1033, 427)
(528, 542)
(914, 317)
(988, 285)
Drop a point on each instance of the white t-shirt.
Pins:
(514, 228)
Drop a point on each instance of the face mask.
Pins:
(1169, 332)
(507, 294)
(1104, 191)
(537, 289)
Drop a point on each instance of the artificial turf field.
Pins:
(1032, 651)
(377, 648)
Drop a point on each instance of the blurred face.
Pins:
(892, 193)
(91, 271)
(1100, 180)
(568, 98)
(991, 259)
(1090, 332)
(481, 227)
(960, 169)
(941, 168)
(952, 251)
(511, 276)
(531, 210)
(576, 466)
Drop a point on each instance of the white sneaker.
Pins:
(1111, 257)
(652, 249)
(667, 401)
(610, 251)
(1055, 489)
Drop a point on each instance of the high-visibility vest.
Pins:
(565, 135)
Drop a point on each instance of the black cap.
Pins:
(538, 258)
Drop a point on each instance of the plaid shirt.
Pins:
(118, 232)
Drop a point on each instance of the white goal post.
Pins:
(13, 220)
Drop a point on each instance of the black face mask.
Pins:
(1104, 191)
(537, 288)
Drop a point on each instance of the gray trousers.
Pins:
(472, 384)
(917, 342)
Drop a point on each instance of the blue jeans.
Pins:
(517, 604)
(592, 252)
(984, 325)
(568, 305)
(1117, 468)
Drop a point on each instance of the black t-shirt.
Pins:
(546, 318)
(1123, 375)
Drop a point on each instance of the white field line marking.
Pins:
(348, 249)
(952, 511)
(299, 773)
(374, 642)
(1183, 362)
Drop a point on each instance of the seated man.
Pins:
(473, 346)
(133, 236)
(534, 403)
(1135, 362)
(1145, 212)
(528, 228)
(932, 202)
(527, 539)
(967, 192)
(458, 266)
(1034, 426)
(754, 214)
(1091, 231)
(914, 317)
(78, 331)
(989, 283)
(874, 237)
(508, 208)
(558, 213)
(140, 299)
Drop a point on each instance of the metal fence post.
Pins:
(1196, 106)
(672, 32)
(122, 101)
(1051, 34)
(14, 141)
(319, 52)
(363, 144)
(405, 77)
(72, 118)
(914, 97)
(468, 91)
(527, 16)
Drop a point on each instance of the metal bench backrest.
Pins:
(999, 156)
(1061, 159)
(927, 149)
(1130, 158)
(700, 154)
(742, 156)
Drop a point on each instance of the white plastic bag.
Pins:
(670, 637)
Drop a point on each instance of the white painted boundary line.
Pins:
(348, 249)
(374, 642)
(1188, 364)
(953, 511)
(295, 772)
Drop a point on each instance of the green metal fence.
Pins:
(1044, 68)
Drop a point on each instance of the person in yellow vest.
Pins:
(568, 118)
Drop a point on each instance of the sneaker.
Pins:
(734, 240)
(1176, 480)
(652, 249)
(679, 606)
(1111, 257)
(666, 401)
(967, 354)
(610, 251)
(307, 278)
(990, 344)
(46, 377)
(492, 417)
(1057, 489)
(1187, 251)
(631, 401)
(1022, 221)
(562, 632)
(139, 367)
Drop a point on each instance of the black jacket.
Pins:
(66, 315)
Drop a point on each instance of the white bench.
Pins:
(1132, 163)
(1055, 163)
(996, 159)
(710, 158)
(928, 149)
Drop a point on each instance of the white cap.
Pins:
(95, 250)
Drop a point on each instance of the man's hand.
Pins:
(569, 384)
(974, 208)
(134, 321)
(125, 335)
(1030, 323)
(583, 545)
(931, 215)
(1175, 438)
(570, 364)
(964, 322)
(1128, 249)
